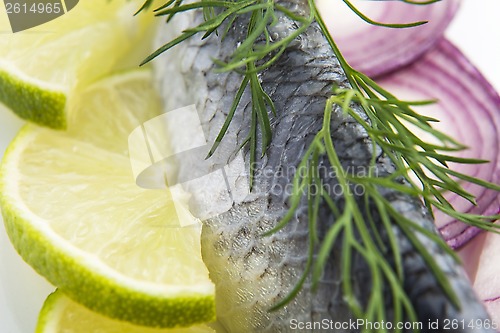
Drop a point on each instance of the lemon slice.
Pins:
(41, 68)
(61, 314)
(73, 211)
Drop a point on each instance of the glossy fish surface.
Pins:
(253, 272)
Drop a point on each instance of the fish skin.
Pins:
(252, 273)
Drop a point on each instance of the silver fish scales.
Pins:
(252, 272)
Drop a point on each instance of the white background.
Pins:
(476, 30)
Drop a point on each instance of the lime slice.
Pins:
(61, 314)
(41, 68)
(73, 211)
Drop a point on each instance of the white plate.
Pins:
(22, 291)
(476, 30)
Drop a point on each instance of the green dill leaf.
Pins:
(168, 46)
(387, 25)
(191, 6)
(144, 6)
(229, 117)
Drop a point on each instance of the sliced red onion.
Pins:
(376, 50)
(469, 111)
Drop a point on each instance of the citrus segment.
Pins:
(73, 211)
(61, 314)
(41, 68)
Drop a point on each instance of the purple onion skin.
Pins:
(469, 110)
(376, 50)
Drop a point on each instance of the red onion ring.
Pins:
(376, 50)
(469, 111)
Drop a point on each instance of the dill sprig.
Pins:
(421, 164)
(256, 53)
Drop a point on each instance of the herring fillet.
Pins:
(252, 273)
